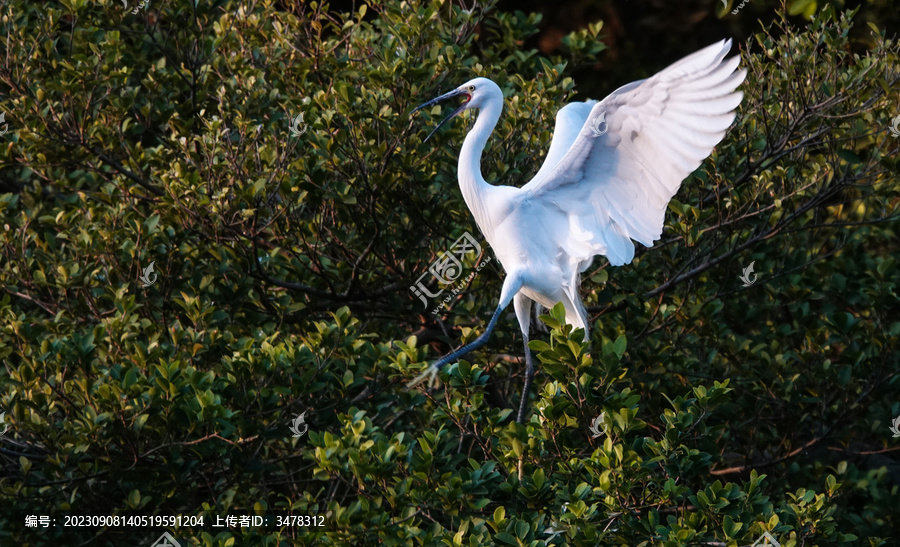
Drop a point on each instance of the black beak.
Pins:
(445, 96)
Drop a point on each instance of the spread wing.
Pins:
(614, 174)
(569, 121)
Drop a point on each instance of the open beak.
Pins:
(443, 97)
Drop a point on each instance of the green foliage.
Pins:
(700, 413)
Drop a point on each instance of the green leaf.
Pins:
(620, 345)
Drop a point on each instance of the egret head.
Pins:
(478, 93)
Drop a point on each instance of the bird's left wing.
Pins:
(569, 121)
(630, 156)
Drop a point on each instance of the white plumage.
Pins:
(610, 172)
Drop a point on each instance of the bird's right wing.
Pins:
(616, 178)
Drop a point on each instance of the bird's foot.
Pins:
(430, 373)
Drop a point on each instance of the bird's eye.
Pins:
(471, 88)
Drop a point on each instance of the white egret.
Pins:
(610, 172)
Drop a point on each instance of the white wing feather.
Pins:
(569, 121)
(615, 187)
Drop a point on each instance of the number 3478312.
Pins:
(300, 520)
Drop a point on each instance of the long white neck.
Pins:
(473, 186)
